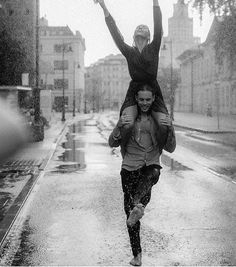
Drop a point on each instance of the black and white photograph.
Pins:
(117, 133)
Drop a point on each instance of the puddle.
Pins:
(73, 153)
(68, 168)
(173, 164)
(77, 128)
(72, 143)
(98, 144)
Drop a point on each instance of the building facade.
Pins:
(106, 83)
(62, 65)
(205, 84)
(18, 19)
(180, 36)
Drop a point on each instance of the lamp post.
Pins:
(65, 48)
(217, 88)
(63, 83)
(172, 93)
(78, 66)
(37, 125)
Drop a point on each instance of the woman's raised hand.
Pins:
(101, 2)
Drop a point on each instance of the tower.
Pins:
(180, 34)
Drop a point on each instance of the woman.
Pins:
(142, 59)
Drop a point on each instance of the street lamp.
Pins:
(217, 88)
(78, 66)
(172, 94)
(37, 125)
(65, 48)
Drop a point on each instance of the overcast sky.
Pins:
(88, 18)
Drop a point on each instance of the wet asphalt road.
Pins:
(75, 216)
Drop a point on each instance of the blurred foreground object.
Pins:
(13, 132)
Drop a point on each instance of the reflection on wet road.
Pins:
(76, 217)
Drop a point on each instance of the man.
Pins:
(141, 163)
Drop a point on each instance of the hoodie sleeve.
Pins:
(157, 18)
(117, 37)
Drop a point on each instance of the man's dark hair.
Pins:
(145, 87)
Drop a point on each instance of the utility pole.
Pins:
(37, 126)
(217, 88)
(172, 91)
(63, 83)
(65, 48)
(74, 92)
(75, 66)
(172, 100)
(192, 87)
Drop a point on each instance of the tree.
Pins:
(225, 37)
(218, 7)
(13, 60)
(164, 80)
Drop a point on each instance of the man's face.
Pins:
(144, 100)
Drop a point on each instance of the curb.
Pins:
(54, 145)
(14, 210)
(211, 140)
(202, 131)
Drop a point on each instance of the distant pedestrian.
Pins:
(142, 59)
(141, 163)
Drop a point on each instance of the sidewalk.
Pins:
(204, 124)
(30, 163)
(40, 151)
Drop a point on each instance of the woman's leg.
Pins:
(159, 110)
(126, 130)
(162, 129)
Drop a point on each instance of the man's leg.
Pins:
(129, 183)
(149, 176)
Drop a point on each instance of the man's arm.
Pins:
(157, 17)
(114, 31)
(115, 137)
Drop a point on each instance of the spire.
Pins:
(181, 9)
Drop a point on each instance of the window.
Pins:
(60, 65)
(58, 48)
(11, 12)
(27, 11)
(58, 84)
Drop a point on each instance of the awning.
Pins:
(14, 88)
